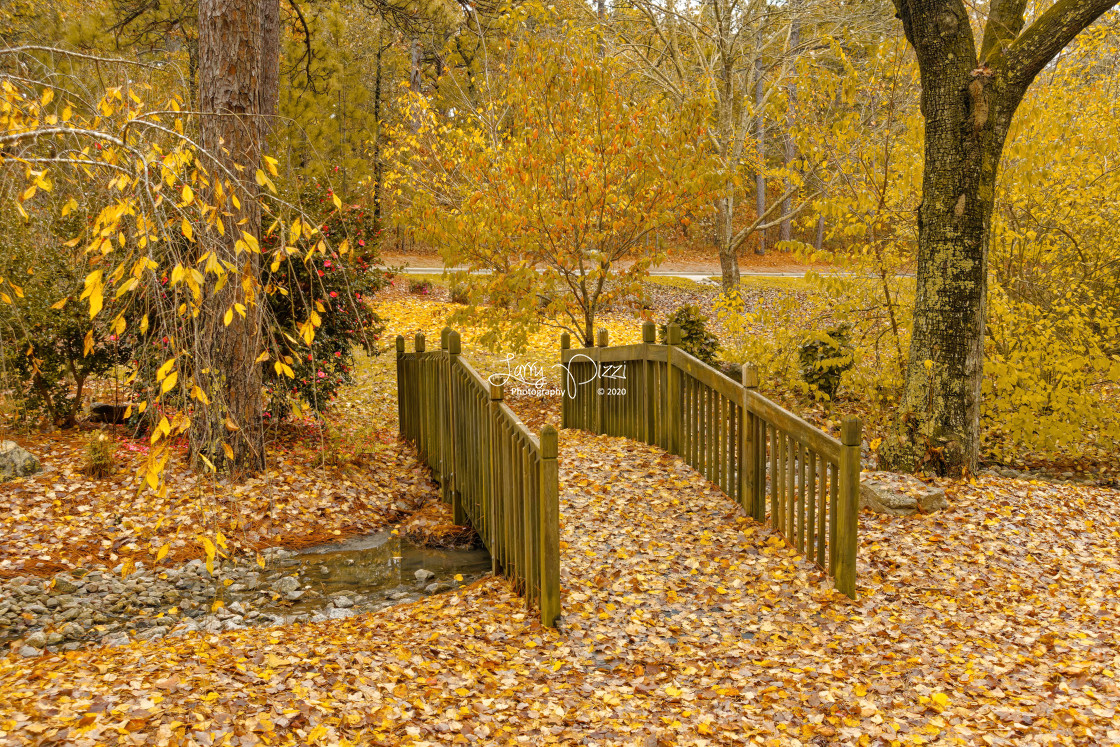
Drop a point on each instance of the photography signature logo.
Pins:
(529, 378)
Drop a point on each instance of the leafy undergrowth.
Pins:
(684, 623)
(62, 518)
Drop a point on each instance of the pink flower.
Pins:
(322, 375)
(337, 354)
(361, 242)
(334, 294)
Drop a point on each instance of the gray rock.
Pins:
(152, 633)
(293, 596)
(38, 639)
(119, 638)
(286, 585)
(342, 602)
(65, 585)
(27, 652)
(424, 574)
(899, 495)
(16, 461)
(339, 614)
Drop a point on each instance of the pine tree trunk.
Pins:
(225, 356)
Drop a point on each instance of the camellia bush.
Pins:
(337, 289)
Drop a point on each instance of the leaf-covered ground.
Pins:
(684, 623)
(61, 518)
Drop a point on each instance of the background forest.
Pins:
(598, 142)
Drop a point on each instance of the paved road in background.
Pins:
(688, 275)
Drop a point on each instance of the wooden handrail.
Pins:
(495, 473)
(750, 446)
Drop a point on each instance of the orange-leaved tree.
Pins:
(547, 192)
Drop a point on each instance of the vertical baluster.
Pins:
(811, 532)
(802, 473)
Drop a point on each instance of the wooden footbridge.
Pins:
(504, 480)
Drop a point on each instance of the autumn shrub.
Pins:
(460, 293)
(696, 340)
(824, 356)
(1052, 376)
(419, 287)
(49, 346)
(101, 455)
(336, 287)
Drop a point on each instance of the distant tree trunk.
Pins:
(759, 101)
(790, 147)
(269, 68)
(414, 76)
(225, 356)
(818, 243)
(968, 101)
(378, 172)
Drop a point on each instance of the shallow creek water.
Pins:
(377, 570)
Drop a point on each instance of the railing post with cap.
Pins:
(673, 380)
(844, 563)
(753, 492)
(401, 387)
(600, 400)
(549, 534)
(494, 488)
(454, 349)
(648, 406)
(565, 404)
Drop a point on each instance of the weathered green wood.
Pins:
(775, 480)
(565, 400)
(802, 474)
(673, 386)
(817, 440)
(848, 506)
(811, 531)
(833, 526)
(454, 349)
(549, 536)
(748, 450)
(494, 489)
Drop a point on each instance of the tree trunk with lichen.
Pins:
(968, 101)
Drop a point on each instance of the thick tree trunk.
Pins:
(725, 236)
(228, 430)
(968, 101)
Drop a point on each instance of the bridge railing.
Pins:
(496, 475)
(761, 455)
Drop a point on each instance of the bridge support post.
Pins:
(847, 509)
(751, 479)
(566, 402)
(493, 494)
(647, 405)
(454, 349)
(600, 399)
(550, 528)
(673, 400)
(401, 396)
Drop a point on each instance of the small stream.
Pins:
(328, 582)
(376, 571)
